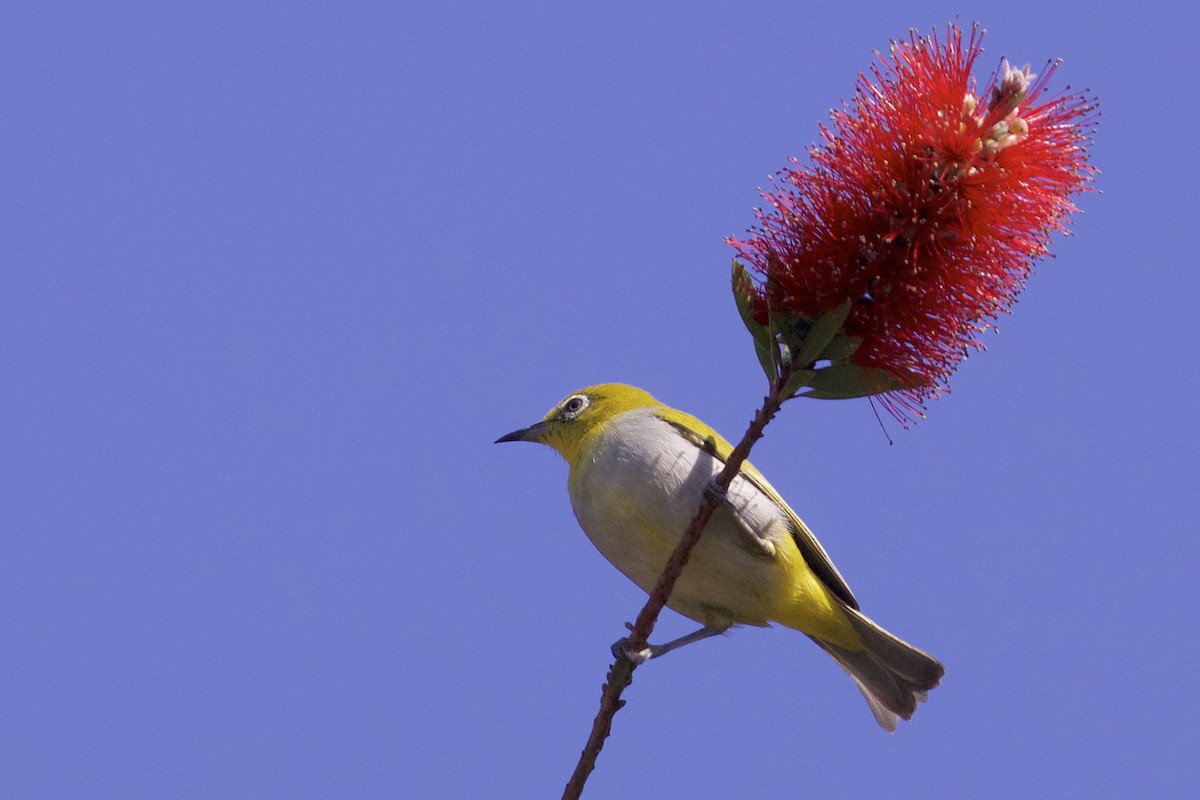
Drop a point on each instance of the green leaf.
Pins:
(821, 333)
(816, 394)
(841, 348)
(768, 358)
(840, 381)
(846, 381)
(765, 348)
(796, 381)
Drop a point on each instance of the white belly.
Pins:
(634, 492)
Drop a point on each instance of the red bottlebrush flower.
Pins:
(925, 206)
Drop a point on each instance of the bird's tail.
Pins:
(892, 674)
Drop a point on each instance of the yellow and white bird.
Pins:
(638, 471)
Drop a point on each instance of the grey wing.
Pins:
(814, 555)
(748, 535)
(810, 549)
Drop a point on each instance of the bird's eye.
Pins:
(573, 405)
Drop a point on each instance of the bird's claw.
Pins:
(620, 649)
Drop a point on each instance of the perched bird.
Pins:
(638, 471)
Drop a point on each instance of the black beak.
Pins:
(531, 434)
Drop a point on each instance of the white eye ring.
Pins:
(574, 405)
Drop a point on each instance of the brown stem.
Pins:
(620, 674)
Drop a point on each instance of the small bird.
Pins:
(638, 471)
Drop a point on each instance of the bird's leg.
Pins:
(621, 646)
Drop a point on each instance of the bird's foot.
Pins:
(620, 649)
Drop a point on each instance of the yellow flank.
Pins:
(811, 607)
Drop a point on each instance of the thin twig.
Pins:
(620, 674)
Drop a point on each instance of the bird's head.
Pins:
(581, 414)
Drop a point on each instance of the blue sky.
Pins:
(273, 277)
